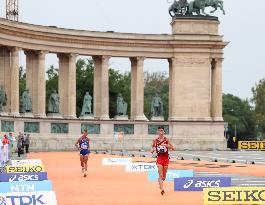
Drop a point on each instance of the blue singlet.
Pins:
(84, 146)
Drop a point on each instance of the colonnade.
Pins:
(210, 105)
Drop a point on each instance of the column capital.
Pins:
(172, 60)
(15, 49)
(103, 58)
(216, 59)
(73, 55)
(137, 58)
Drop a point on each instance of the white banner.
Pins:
(27, 161)
(116, 161)
(28, 198)
(5, 154)
(1, 154)
(140, 167)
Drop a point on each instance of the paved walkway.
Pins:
(111, 185)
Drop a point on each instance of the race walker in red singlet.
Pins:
(162, 152)
(161, 145)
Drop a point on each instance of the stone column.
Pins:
(5, 74)
(41, 85)
(137, 88)
(30, 56)
(67, 84)
(101, 87)
(216, 88)
(35, 81)
(14, 97)
(172, 89)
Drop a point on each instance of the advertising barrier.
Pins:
(140, 167)
(25, 186)
(4, 154)
(24, 168)
(199, 183)
(171, 174)
(28, 198)
(251, 145)
(27, 161)
(234, 195)
(116, 161)
(30, 176)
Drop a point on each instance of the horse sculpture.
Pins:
(182, 7)
(198, 6)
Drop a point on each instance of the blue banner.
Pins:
(199, 183)
(171, 174)
(25, 186)
(31, 176)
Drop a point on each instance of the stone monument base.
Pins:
(27, 114)
(157, 118)
(54, 115)
(87, 117)
(121, 117)
(185, 135)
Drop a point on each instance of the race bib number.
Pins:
(84, 146)
(162, 149)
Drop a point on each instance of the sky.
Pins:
(242, 26)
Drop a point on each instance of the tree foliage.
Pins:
(259, 101)
(22, 80)
(240, 116)
(155, 83)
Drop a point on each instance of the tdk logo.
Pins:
(23, 200)
(144, 167)
(140, 167)
(2, 201)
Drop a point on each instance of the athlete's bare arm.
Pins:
(153, 147)
(77, 143)
(170, 146)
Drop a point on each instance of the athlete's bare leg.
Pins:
(85, 164)
(164, 172)
(82, 163)
(160, 178)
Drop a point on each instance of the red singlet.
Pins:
(162, 152)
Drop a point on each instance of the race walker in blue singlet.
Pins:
(84, 146)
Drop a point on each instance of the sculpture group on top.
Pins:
(183, 7)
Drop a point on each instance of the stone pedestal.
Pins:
(54, 115)
(121, 117)
(27, 114)
(196, 25)
(157, 118)
(87, 117)
(3, 114)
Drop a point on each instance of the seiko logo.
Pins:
(146, 167)
(237, 196)
(202, 184)
(25, 169)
